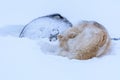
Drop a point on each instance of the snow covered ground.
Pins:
(26, 59)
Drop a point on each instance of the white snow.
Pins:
(25, 59)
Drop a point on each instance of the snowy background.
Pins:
(25, 59)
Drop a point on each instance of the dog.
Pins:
(87, 40)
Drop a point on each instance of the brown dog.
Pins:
(87, 40)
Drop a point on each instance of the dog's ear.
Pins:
(72, 35)
(60, 37)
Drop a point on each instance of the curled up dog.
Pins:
(84, 41)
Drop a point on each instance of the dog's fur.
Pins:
(87, 40)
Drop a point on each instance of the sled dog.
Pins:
(87, 40)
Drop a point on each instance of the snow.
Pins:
(26, 59)
(22, 59)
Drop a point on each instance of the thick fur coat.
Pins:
(84, 41)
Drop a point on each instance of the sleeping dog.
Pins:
(87, 40)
